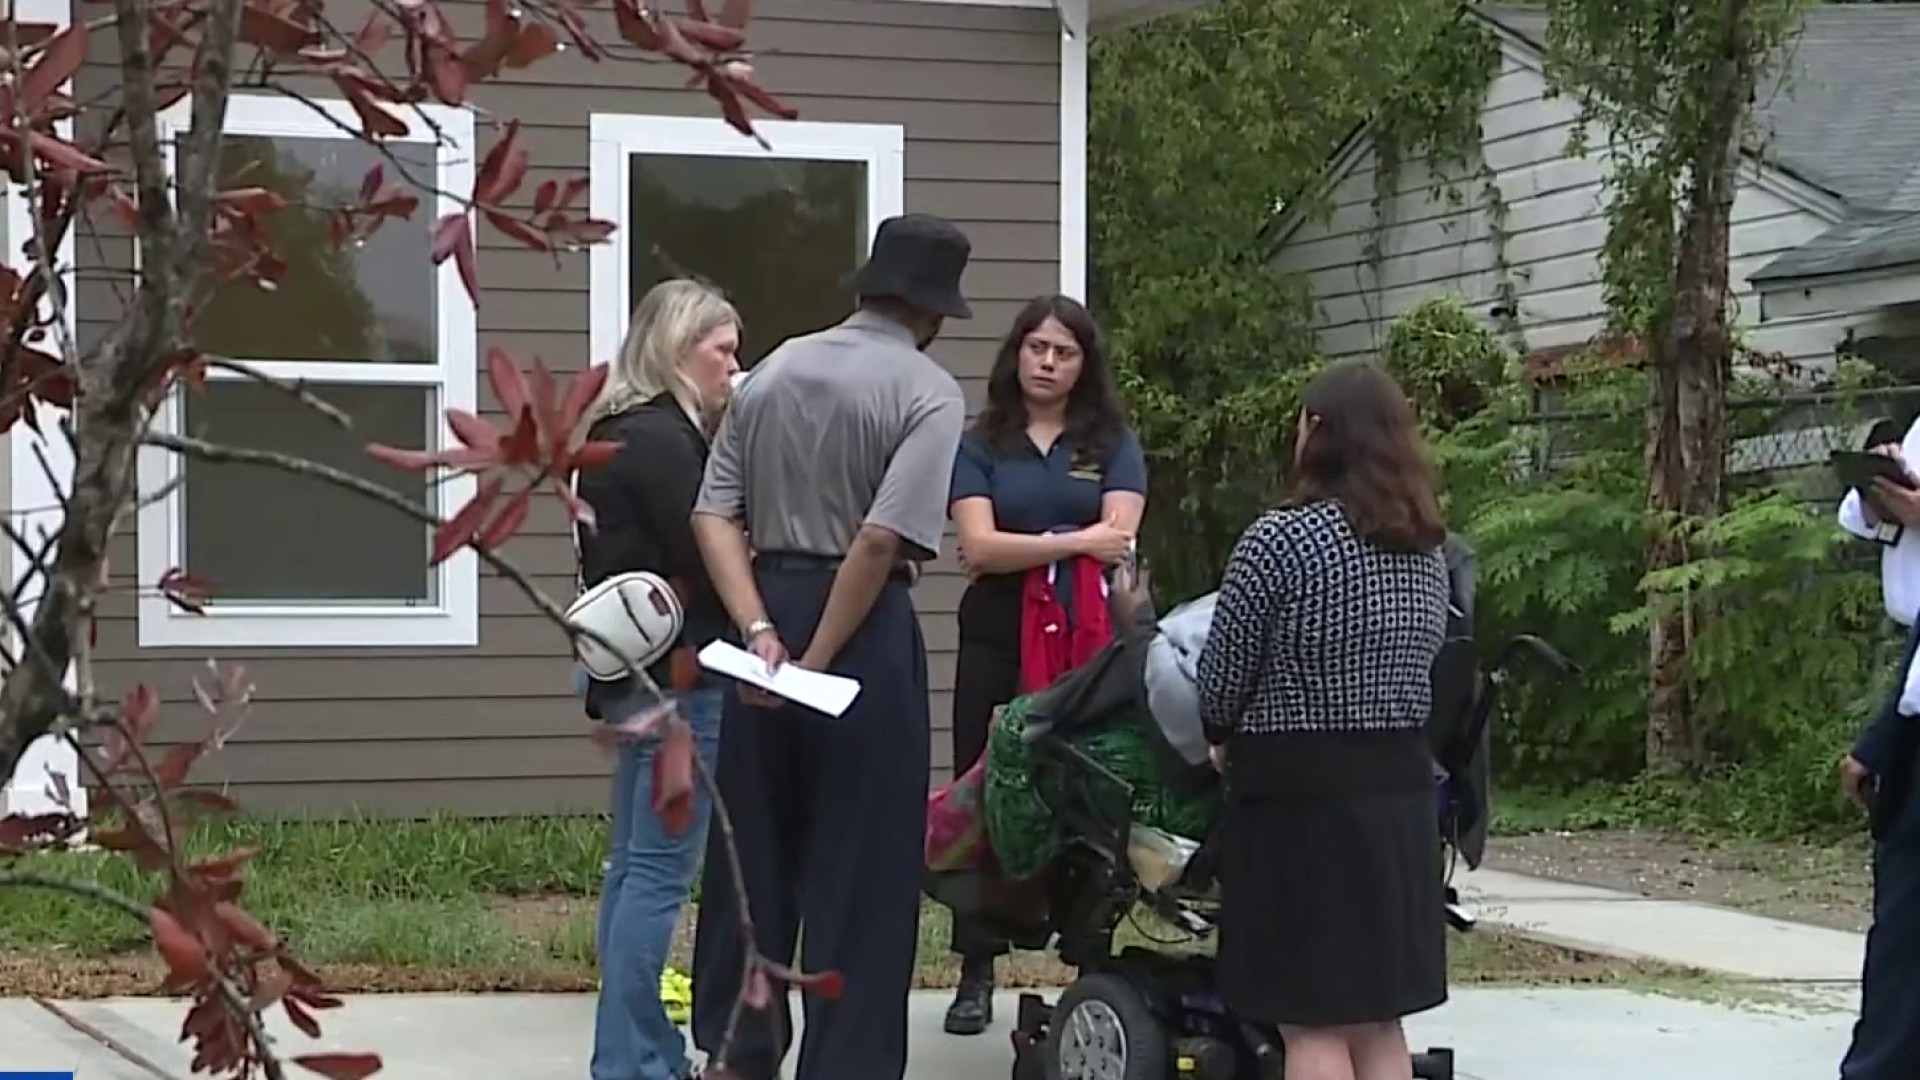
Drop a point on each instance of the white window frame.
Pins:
(453, 619)
(617, 137)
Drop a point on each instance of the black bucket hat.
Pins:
(917, 258)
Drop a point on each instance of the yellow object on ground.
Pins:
(676, 993)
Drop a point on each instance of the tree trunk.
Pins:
(1692, 365)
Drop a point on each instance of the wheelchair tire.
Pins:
(1104, 1029)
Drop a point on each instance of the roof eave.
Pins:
(1784, 296)
(1107, 16)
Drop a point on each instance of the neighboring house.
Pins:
(1826, 219)
(386, 686)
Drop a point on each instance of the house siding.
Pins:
(1554, 229)
(493, 729)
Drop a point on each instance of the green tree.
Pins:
(1202, 129)
(1671, 83)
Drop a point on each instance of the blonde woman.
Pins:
(662, 401)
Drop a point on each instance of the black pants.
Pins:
(986, 675)
(830, 819)
(1886, 1039)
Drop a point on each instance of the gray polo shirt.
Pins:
(848, 427)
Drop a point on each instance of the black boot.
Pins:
(972, 1010)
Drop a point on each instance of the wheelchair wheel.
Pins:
(1103, 1029)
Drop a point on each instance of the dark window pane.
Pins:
(374, 301)
(261, 534)
(779, 236)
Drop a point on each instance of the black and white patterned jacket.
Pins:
(1317, 630)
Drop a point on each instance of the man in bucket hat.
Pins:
(831, 469)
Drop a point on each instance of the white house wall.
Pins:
(1555, 226)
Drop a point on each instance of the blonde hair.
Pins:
(670, 320)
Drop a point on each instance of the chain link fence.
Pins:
(1779, 442)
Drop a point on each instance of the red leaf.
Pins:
(718, 38)
(301, 1018)
(457, 530)
(825, 984)
(272, 31)
(472, 430)
(581, 394)
(463, 259)
(736, 13)
(58, 63)
(374, 33)
(586, 232)
(448, 232)
(758, 993)
(273, 985)
(637, 25)
(245, 928)
(138, 709)
(594, 454)
(753, 92)
(519, 230)
(178, 762)
(576, 28)
(186, 591)
(340, 1066)
(546, 403)
(375, 121)
(411, 460)
(448, 77)
(545, 196)
(503, 170)
(454, 236)
(509, 389)
(535, 43)
(673, 777)
(65, 156)
(508, 522)
(207, 799)
(523, 446)
(225, 866)
(186, 958)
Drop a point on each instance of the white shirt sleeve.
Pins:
(1910, 690)
(1853, 518)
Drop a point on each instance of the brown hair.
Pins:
(1365, 450)
(1095, 417)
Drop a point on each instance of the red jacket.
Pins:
(1049, 647)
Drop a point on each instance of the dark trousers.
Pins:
(830, 818)
(1886, 1039)
(986, 675)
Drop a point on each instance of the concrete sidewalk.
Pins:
(1713, 939)
(1563, 1034)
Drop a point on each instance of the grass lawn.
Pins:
(464, 905)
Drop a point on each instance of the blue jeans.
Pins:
(649, 875)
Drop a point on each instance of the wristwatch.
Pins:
(755, 629)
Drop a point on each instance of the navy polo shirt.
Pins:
(1035, 493)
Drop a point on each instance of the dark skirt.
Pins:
(1332, 904)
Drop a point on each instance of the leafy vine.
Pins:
(1435, 117)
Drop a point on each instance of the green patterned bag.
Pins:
(1021, 828)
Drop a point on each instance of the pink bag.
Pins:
(957, 823)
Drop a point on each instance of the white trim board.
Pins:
(453, 618)
(614, 138)
(1073, 149)
(34, 492)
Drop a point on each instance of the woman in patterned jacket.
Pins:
(1314, 684)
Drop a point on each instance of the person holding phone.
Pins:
(1048, 482)
(1879, 775)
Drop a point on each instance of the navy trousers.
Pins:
(830, 818)
(1886, 1039)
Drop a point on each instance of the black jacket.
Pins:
(643, 507)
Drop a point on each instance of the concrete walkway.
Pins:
(1714, 939)
(1497, 1035)
(1567, 1034)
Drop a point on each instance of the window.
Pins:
(780, 230)
(373, 329)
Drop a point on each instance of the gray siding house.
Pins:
(381, 685)
(1818, 260)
